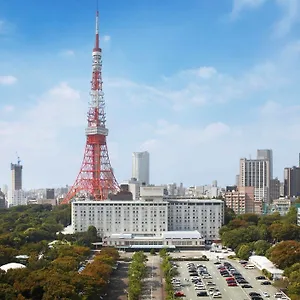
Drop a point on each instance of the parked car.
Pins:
(179, 294)
(266, 283)
(260, 278)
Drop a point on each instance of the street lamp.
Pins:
(171, 269)
(169, 274)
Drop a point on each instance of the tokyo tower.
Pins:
(96, 179)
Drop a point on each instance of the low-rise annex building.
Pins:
(261, 262)
(183, 240)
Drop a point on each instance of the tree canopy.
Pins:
(275, 236)
(66, 270)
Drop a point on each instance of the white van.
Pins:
(249, 267)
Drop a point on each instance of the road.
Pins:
(118, 283)
(152, 283)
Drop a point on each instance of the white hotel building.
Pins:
(150, 216)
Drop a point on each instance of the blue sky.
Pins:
(197, 83)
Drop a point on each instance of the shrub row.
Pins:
(169, 272)
(136, 273)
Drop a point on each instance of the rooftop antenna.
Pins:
(97, 26)
(18, 157)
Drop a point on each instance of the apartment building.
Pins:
(242, 200)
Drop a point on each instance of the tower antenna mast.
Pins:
(96, 179)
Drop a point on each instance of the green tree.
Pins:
(244, 251)
(92, 234)
(7, 292)
(236, 237)
(283, 231)
(285, 254)
(261, 247)
(237, 223)
(291, 216)
(7, 254)
(250, 218)
(289, 270)
(269, 219)
(228, 215)
(65, 264)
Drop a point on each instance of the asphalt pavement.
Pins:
(228, 293)
(152, 283)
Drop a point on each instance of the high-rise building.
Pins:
(16, 195)
(292, 182)
(274, 188)
(16, 173)
(50, 194)
(141, 167)
(2, 200)
(266, 154)
(257, 173)
(5, 189)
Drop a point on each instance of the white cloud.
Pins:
(106, 38)
(43, 135)
(185, 145)
(239, 5)
(206, 85)
(291, 16)
(8, 80)
(290, 12)
(212, 151)
(67, 53)
(8, 108)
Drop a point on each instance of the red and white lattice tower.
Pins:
(96, 179)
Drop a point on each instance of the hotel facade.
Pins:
(150, 217)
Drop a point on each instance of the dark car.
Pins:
(254, 294)
(266, 283)
(242, 281)
(202, 294)
(260, 278)
(247, 286)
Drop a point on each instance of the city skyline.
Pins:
(163, 95)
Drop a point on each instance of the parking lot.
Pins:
(227, 292)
